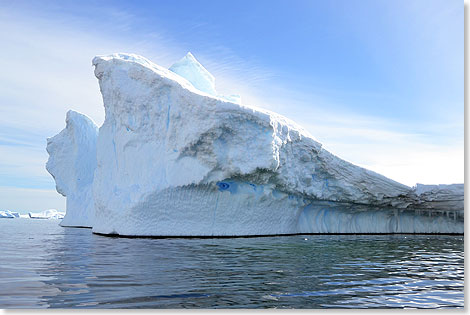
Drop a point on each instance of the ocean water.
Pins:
(44, 265)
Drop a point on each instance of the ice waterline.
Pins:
(174, 158)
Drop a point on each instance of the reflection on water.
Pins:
(45, 265)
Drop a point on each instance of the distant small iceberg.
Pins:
(47, 214)
(7, 214)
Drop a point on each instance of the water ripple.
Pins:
(45, 265)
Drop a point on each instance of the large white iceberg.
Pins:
(190, 69)
(72, 162)
(173, 158)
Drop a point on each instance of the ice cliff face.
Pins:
(72, 162)
(174, 158)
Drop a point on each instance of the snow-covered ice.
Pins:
(175, 158)
(47, 214)
(72, 162)
(440, 193)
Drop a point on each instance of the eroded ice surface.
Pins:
(174, 158)
(72, 162)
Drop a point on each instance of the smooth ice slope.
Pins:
(174, 160)
(72, 162)
(190, 69)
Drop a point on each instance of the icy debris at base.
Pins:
(72, 162)
(328, 218)
(172, 160)
(47, 214)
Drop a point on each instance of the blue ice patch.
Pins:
(223, 186)
(253, 185)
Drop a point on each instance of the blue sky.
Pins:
(379, 83)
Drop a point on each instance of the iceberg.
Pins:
(7, 214)
(47, 214)
(72, 162)
(174, 158)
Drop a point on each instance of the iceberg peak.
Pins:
(189, 68)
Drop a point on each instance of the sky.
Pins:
(379, 83)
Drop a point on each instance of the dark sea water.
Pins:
(44, 265)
